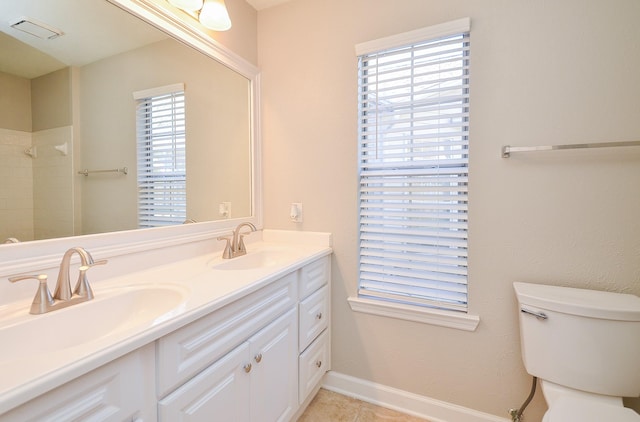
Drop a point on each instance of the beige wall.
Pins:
(51, 100)
(15, 102)
(543, 72)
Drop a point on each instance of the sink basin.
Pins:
(109, 313)
(253, 260)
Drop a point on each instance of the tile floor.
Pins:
(328, 406)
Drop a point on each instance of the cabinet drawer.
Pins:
(313, 364)
(185, 352)
(314, 275)
(314, 317)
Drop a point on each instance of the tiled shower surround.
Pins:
(36, 193)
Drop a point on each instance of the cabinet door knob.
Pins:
(247, 368)
(319, 315)
(319, 363)
(258, 357)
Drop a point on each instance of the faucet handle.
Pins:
(242, 249)
(83, 288)
(17, 278)
(99, 262)
(226, 254)
(42, 300)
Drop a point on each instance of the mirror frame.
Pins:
(45, 254)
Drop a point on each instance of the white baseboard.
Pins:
(403, 401)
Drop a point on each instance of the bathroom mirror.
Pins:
(68, 131)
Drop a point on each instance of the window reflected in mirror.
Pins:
(74, 111)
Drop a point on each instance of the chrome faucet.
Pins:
(235, 243)
(63, 297)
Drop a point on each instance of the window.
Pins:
(413, 168)
(160, 118)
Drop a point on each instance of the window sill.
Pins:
(459, 321)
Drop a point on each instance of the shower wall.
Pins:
(53, 183)
(16, 186)
(36, 193)
(36, 179)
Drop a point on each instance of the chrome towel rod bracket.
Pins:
(508, 149)
(122, 170)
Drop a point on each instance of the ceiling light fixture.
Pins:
(212, 14)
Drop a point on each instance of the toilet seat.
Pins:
(570, 409)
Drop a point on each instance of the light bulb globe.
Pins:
(214, 15)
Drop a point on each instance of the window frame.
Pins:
(380, 303)
(161, 156)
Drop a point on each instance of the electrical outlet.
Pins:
(295, 213)
(225, 209)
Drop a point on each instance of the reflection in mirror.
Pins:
(68, 105)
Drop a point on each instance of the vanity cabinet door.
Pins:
(119, 391)
(219, 393)
(274, 377)
(257, 381)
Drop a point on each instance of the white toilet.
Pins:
(584, 347)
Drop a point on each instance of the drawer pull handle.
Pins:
(319, 363)
(258, 357)
(319, 315)
(247, 368)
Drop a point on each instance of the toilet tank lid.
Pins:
(583, 302)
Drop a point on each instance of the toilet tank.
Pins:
(583, 339)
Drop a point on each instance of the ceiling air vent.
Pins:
(35, 28)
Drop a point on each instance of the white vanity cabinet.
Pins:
(186, 352)
(268, 374)
(255, 381)
(122, 390)
(257, 358)
(314, 338)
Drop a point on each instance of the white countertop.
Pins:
(204, 287)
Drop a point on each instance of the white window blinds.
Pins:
(160, 116)
(413, 158)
